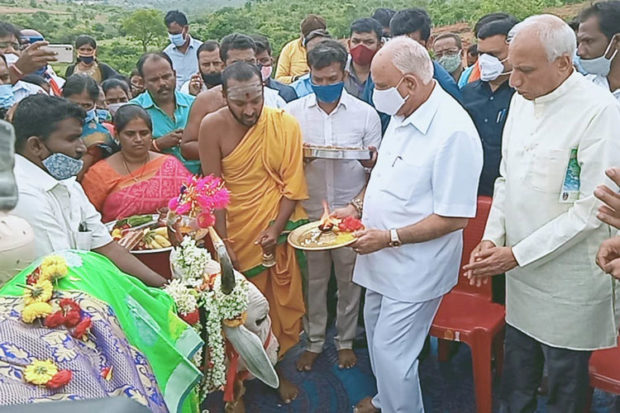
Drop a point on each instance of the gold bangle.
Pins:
(155, 146)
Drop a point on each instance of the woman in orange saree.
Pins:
(135, 180)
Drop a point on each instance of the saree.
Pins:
(266, 166)
(148, 189)
(157, 340)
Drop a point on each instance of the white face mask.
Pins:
(113, 107)
(389, 101)
(490, 67)
(599, 65)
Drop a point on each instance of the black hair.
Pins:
(410, 21)
(175, 16)
(114, 83)
(450, 35)
(78, 83)
(39, 114)
(7, 29)
(148, 56)
(129, 112)
(367, 25)
(208, 46)
(235, 41)
(3, 59)
(134, 72)
(473, 49)
(574, 24)
(35, 80)
(240, 71)
(489, 18)
(383, 16)
(608, 15)
(326, 53)
(497, 27)
(85, 39)
(262, 44)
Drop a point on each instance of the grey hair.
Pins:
(556, 36)
(409, 57)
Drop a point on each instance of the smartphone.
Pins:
(64, 52)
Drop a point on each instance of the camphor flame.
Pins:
(327, 222)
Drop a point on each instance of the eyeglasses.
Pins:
(14, 45)
(449, 52)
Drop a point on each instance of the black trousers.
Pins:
(524, 359)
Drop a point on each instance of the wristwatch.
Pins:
(358, 204)
(394, 240)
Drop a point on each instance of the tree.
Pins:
(145, 26)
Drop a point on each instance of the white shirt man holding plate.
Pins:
(420, 195)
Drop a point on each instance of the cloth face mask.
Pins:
(599, 65)
(328, 93)
(389, 101)
(362, 55)
(450, 62)
(62, 167)
(490, 67)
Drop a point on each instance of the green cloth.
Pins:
(147, 316)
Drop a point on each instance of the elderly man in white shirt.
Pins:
(49, 149)
(560, 137)
(418, 199)
(332, 117)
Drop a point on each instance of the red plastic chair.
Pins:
(605, 371)
(468, 314)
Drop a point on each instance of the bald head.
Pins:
(540, 51)
(404, 64)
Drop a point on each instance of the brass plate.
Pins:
(301, 238)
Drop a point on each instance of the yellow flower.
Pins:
(53, 268)
(40, 371)
(41, 292)
(36, 310)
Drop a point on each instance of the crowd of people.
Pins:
(528, 115)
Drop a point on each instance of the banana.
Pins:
(155, 245)
(163, 231)
(163, 241)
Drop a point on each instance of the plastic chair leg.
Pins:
(498, 350)
(443, 350)
(481, 357)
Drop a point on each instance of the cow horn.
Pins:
(226, 267)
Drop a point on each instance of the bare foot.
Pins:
(287, 390)
(306, 360)
(346, 358)
(366, 406)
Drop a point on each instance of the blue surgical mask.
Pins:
(103, 115)
(328, 93)
(577, 64)
(7, 98)
(177, 39)
(91, 115)
(62, 167)
(599, 65)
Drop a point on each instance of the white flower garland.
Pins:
(190, 263)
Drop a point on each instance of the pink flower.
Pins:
(183, 208)
(205, 220)
(173, 204)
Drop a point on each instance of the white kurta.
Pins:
(557, 295)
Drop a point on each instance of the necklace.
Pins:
(134, 178)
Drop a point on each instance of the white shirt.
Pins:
(22, 90)
(185, 64)
(429, 163)
(185, 88)
(604, 83)
(55, 210)
(273, 98)
(557, 295)
(352, 124)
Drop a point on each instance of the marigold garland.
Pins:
(36, 310)
(40, 292)
(40, 371)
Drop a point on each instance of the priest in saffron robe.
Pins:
(258, 152)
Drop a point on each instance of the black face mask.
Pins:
(212, 79)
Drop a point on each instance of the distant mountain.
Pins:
(188, 6)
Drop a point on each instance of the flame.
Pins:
(326, 221)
